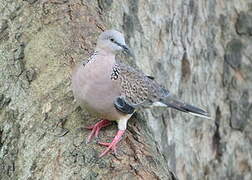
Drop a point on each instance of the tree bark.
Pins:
(42, 134)
(200, 50)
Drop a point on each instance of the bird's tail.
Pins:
(184, 107)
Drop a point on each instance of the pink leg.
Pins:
(112, 145)
(96, 128)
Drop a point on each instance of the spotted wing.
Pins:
(137, 88)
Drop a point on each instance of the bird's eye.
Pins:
(112, 40)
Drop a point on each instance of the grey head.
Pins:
(112, 41)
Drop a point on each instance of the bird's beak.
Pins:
(126, 50)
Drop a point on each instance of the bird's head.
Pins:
(112, 41)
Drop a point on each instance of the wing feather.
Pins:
(136, 87)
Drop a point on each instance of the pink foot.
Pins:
(112, 145)
(96, 128)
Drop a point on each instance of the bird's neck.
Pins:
(104, 51)
(108, 57)
(101, 58)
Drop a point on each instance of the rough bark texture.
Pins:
(200, 50)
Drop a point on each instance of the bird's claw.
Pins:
(112, 145)
(96, 128)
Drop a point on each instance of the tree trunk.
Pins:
(200, 50)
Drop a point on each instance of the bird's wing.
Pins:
(136, 88)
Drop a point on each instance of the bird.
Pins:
(113, 91)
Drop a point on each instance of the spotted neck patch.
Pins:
(90, 59)
(115, 73)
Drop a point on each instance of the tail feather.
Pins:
(184, 107)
